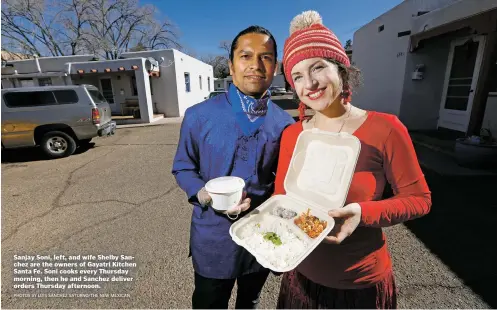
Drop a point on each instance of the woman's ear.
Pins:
(346, 93)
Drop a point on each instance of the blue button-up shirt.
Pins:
(212, 145)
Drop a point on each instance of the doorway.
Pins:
(461, 79)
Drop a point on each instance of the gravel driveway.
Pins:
(119, 197)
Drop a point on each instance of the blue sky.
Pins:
(204, 23)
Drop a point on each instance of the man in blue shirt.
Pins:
(232, 134)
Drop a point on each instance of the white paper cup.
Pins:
(226, 192)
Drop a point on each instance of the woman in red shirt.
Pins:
(352, 268)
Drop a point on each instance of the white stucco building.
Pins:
(432, 63)
(223, 83)
(159, 83)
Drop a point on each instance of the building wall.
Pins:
(219, 84)
(34, 81)
(123, 83)
(186, 64)
(51, 64)
(490, 118)
(7, 83)
(421, 99)
(460, 10)
(164, 93)
(58, 81)
(227, 82)
(85, 79)
(381, 55)
(168, 90)
(120, 81)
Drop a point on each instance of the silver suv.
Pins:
(56, 118)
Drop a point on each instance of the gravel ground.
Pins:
(119, 197)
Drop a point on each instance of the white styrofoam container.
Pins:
(318, 178)
(226, 192)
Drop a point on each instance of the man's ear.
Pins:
(276, 68)
(230, 65)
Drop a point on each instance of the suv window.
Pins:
(29, 99)
(97, 96)
(66, 96)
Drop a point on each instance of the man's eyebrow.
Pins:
(245, 51)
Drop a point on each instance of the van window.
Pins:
(96, 96)
(29, 99)
(66, 96)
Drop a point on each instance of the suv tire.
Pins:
(57, 144)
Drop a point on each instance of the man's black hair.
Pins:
(253, 29)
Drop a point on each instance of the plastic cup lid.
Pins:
(223, 185)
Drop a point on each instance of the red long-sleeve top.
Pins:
(387, 154)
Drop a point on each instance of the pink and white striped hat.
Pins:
(309, 38)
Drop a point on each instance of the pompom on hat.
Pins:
(309, 38)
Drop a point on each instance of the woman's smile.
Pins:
(314, 95)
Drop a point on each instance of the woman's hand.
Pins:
(346, 221)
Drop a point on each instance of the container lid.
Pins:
(322, 167)
(224, 185)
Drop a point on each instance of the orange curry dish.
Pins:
(310, 224)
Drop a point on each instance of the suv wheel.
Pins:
(58, 144)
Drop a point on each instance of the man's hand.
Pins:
(243, 206)
(346, 221)
(203, 197)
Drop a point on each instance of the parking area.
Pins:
(119, 197)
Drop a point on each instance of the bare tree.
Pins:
(226, 46)
(120, 24)
(138, 48)
(348, 44)
(102, 27)
(27, 26)
(189, 51)
(219, 65)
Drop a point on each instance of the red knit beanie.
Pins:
(309, 38)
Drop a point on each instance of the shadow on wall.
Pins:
(461, 230)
